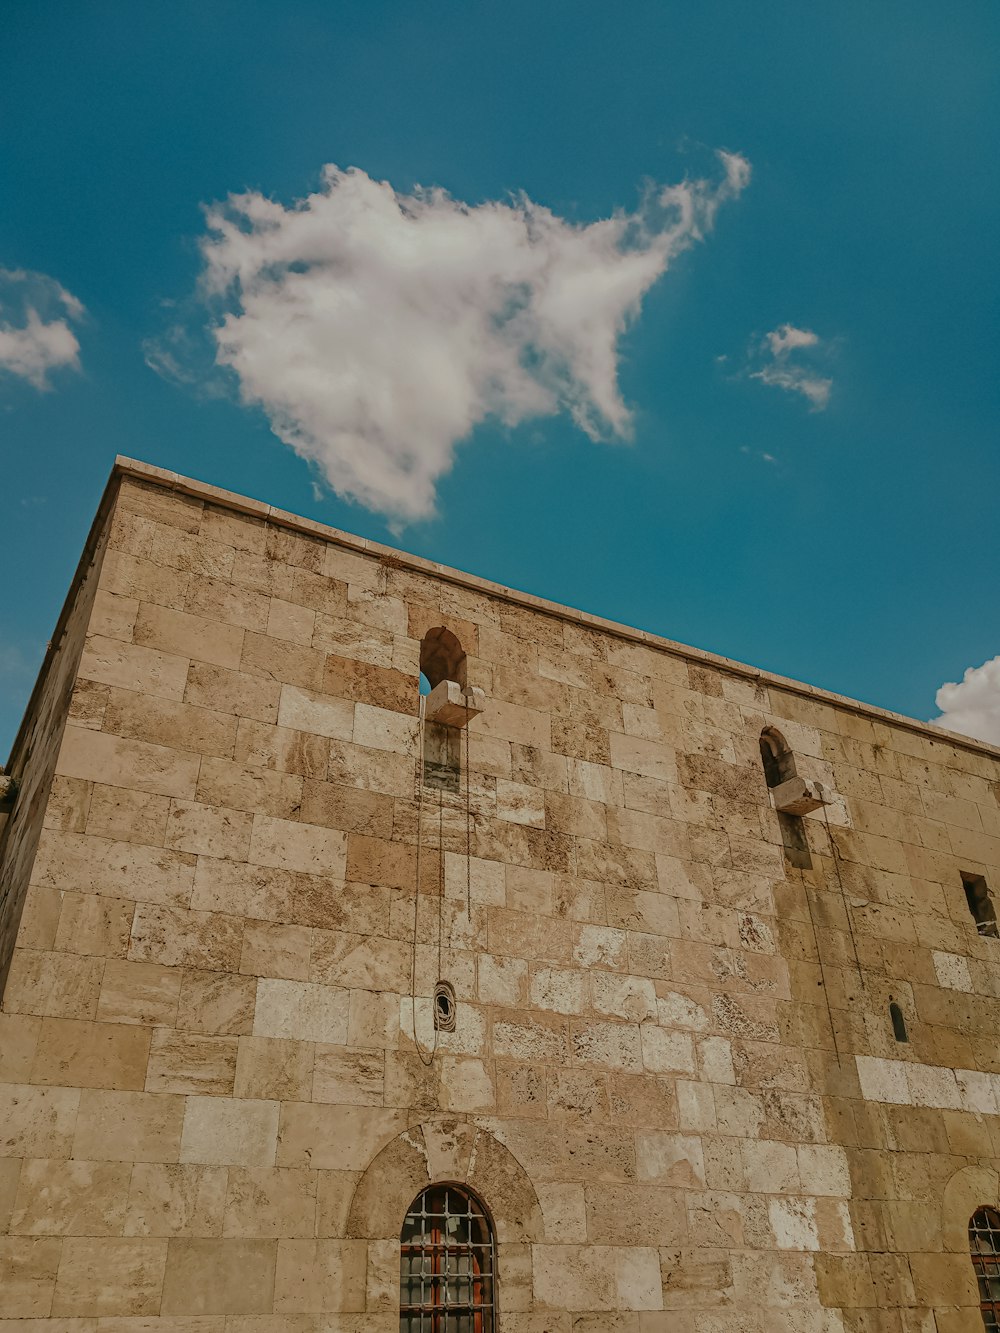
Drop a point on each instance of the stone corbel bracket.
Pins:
(801, 796)
(452, 706)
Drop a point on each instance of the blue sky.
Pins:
(841, 535)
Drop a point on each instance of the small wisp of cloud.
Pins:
(35, 334)
(787, 358)
(377, 329)
(971, 706)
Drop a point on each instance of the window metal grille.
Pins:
(446, 1265)
(984, 1243)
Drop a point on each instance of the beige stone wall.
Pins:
(673, 1082)
(32, 760)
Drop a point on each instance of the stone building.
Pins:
(692, 1026)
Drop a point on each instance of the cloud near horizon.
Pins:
(972, 705)
(35, 333)
(784, 369)
(377, 329)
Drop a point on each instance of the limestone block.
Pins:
(564, 1209)
(255, 789)
(97, 757)
(219, 1131)
(359, 963)
(219, 1277)
(37, 1122)
(165, 1199)
(334, 1138)
(143, 993)
(216, 1002)
(562, 990)
(109, 1277)
(132, 576)
(466, 1085)
(521, 1036)
(190, 636)
(53, 984)
(501, 981)
(695, 1106)
(932, 1085)
(127, 1126)
(670, 1160)
(385, 729)
(94, 925)
(793, 1222)
(270, 1201)
(28, 1268)
(227, 602)
(237, 693)
(883, 1080)
(611, 1045)
(274, 1069)
(316, 1276)
(338, 807)
(770, 1167)
(600, 946)
(597, 1277)
(666, 1052)
(824, 1170)
(373, 1020)
(181, 726)
(366, 683)
(371, 770)
(715, 1059)
(288, 845)
(346, 638)
(275, 951)
(315, 713)
(74, 1198)
(626, 997)
(180, 938)
(261, 893)
(117, 869)
(286, 620)
(69, 805)
(208, 830)
(126, 816)
(80, 1054)
(952, 971)
(132, 667)
(185, 1062)
(18, 1040)
(301, 1010)
(519, 803)
(345, 1076)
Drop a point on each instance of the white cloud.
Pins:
(778, 350)
(35, 333)
(972, 706)
(377, 329)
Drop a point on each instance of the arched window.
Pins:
(447, 1264)
(442, 657)
(984, 1244)
(776, 756)
(779, 767)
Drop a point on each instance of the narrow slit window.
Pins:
(984, 1245)
(977, 895)
(447, 1264)
(898, 1022)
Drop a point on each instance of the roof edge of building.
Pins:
(229, 499)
